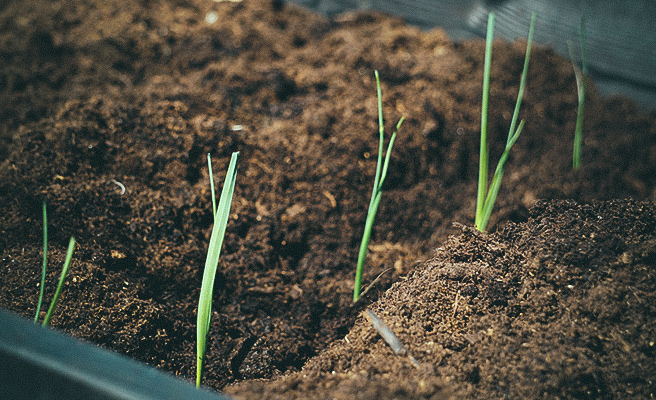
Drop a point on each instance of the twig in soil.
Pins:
(377, 192)
(221, 214)
(119, 184)
(331, 198)
(62, 276)
(390, 338)
(580, 74)
(371, 285)
(455, 304)
(487, 196)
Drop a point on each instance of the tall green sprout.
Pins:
(221, 215)
(580, 75)
(376, 194)
(486, 197)
(62, 276)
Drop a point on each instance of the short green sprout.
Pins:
(376, 194)
(62, 276)
(221, 215)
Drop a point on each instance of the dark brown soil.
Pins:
(561, 306)
(558, 303)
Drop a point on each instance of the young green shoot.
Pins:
(376, 194)
(221, 214)
(212, 191)
(60, 285)
(62, 276)
(487, 196)
(580, 74)
(45, 262)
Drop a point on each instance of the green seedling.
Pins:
(60, 285)
(376, 194)
(45, 262)
(580, 74)
(62, 276)
(487, 196)
(221, 215)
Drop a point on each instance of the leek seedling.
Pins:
(376, 194)
(62, 276)
(221, 215)
(580, 74)
(60, 285)
(487, 196)
(45, 262)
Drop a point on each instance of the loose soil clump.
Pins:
(95, 97)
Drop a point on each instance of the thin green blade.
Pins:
(45, 262)
(211, 264)
(60, 285)
(376, 193)
(484, 151)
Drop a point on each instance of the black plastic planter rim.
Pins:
(41, 363)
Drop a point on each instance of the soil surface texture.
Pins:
(108, 111)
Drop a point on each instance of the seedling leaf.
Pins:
(62, 276)
(484, 152)
(377, 191)
(45, 262)
(60, 285)
(486, 197)
(580, 75)
(212, 262)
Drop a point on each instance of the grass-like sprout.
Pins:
(376, 194)
(221, 215)
(487, 196)
(62, 276)
(45, 262)
(580, 74)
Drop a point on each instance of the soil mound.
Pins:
(561, 306)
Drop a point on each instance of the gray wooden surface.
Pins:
(621, 35)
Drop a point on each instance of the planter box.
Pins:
(40, 363)
(619, 34)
